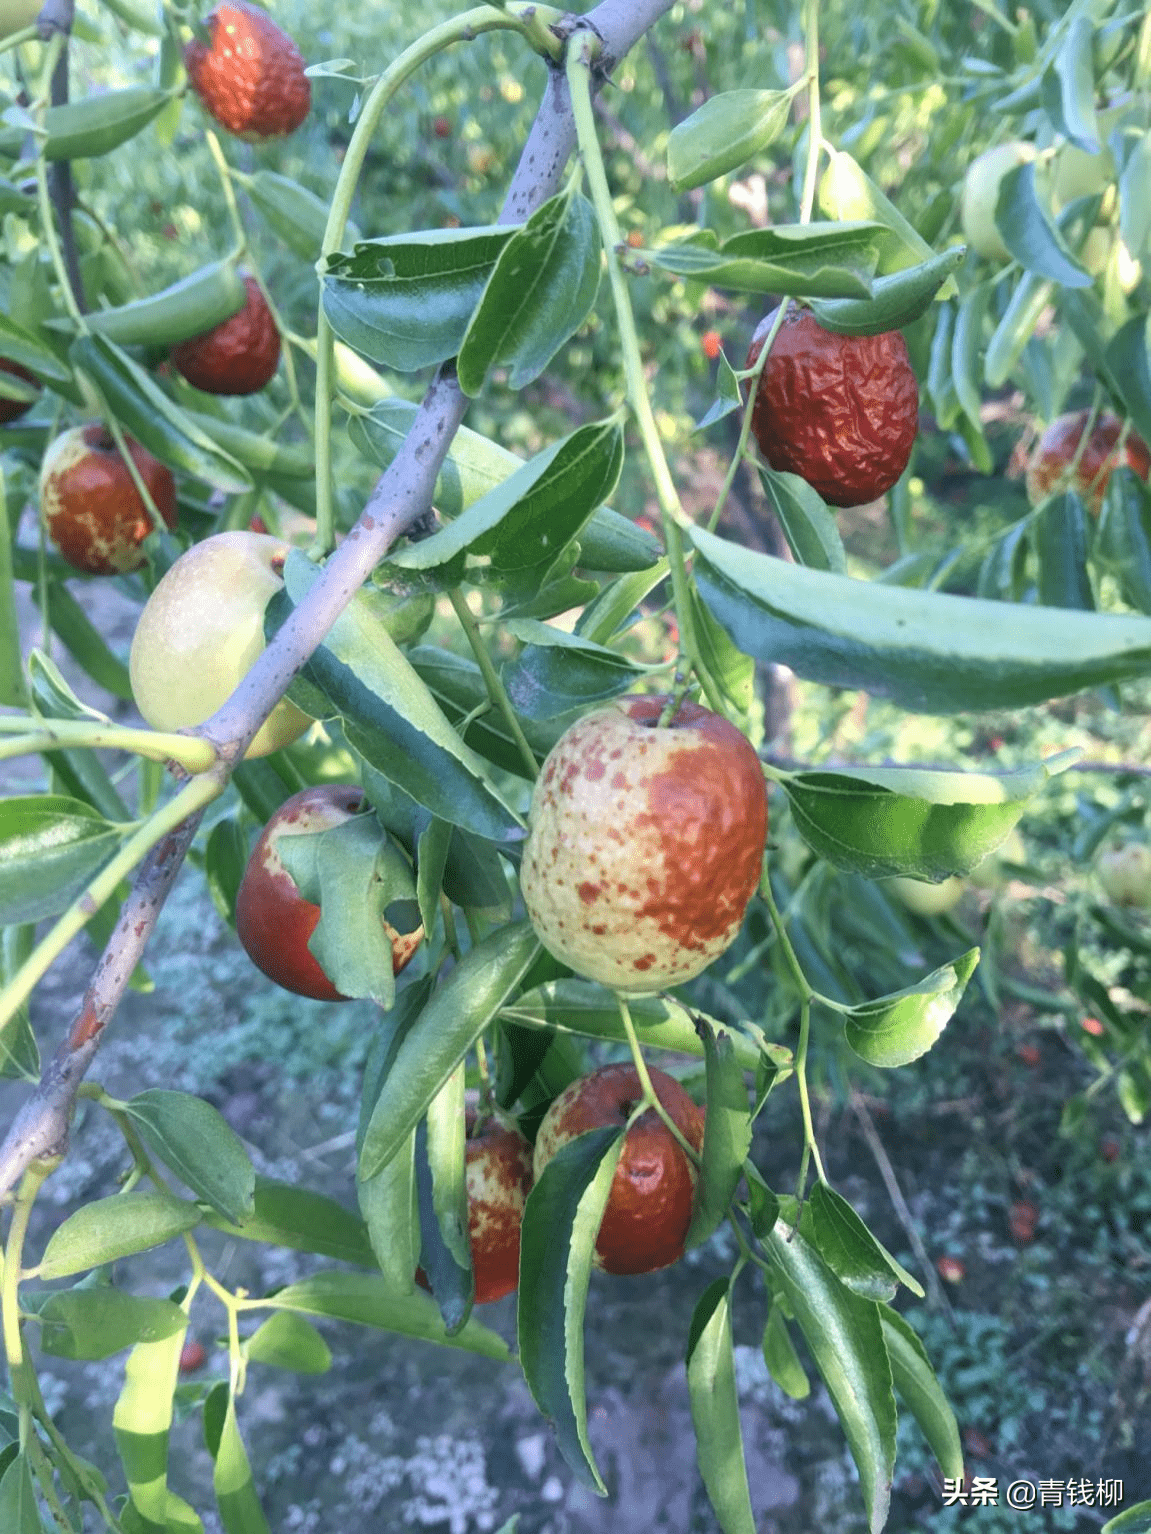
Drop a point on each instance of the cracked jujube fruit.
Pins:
(645, 843)
(840, 411)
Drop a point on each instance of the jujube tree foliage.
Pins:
(250, 637)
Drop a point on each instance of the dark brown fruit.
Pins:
(91, 507)
(13, 409)
(840, 411)
(649, 1208)
(238, 356)
(1049, 467)
(251, 79)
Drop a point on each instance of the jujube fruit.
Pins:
(1125, 874)
(273, 920)
(842, 412)
(649, 1207)
(499, 1178)
(250, 77)
(13, 409)
(90, 505)
(645, 843)
(981, 192)
(1049, 467)
(238, 356)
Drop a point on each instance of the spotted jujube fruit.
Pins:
(89, 502)
(250, 74)
(645, 843)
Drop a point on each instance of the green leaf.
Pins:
(1060, 535)
(894, 1030)
(225, 861)
(1068, 86)
(919, 822)
(846, 191)
(898, 299)
(849, 1249)
(19, 1052)
(195, 303)
(445, 1247)
(921, 1393)
(714, 1400)
(368, 1300)
(236, 1496)
(1136, 1520)
(110, 1228)
(142, 1419)
(405, 302)
(1123, 544)
(297, 215)
(50, 849)
(1135, 198)
(95, 125)
(199, 1145)
(782, 1360)
(557, 672)
(19, 1509)
(144, 410)
(97, 1322)
(391, 718)
(726, 1135)
(723, 134)
(12, 687)
(802, 260)
(810, 529)
(388, 1203)
(82, 639)
(1031, 296)
(927, 650)
(1128, 356)
(730, 671)
(1030, 235)
(458, 1012)
(304, 1221)
(541, 290)
(845, 1338)
(557, 1242)
(288, 1341)
(24, 346)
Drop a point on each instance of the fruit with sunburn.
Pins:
(238, 356)
(981, 192)
(649, 1207)
(250, 75)
(1049, 469)
(90, 504)
(13, 409)
(645, 843)
(201, 631)
(840, 411)
(273, 920)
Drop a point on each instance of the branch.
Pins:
(57, 16)
(401, 497)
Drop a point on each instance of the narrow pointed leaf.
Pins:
(1061, 542)
(1069, 86)
(897, 299)
(782, 1360)
(723, 134)
(50, 848)
(288, 1341)
(388, 1203)
(726, 1134)
(894, 1030)
(445, 1248)
(1123, 545)
(850, 1250)
(236, 1495)
(810, 529)
(366, 1299)
(142, 1420)
(922, 1394)
(804, 260)
(1129, 358)
(846, 191)
(302, 1220)
(1030, 235)
(714, 1400)
(19, 1509)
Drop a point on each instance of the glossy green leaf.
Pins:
(293, 212)
(941, 389)
(288, 1341)
(368, 1300)
(97, 124)
(920, 1391)
(199, 1145)
(849, 1249)
(405, 302)
(305, 1221)
(726, 1134)
(458, 1012)
(966, 349)
(803, 260)
(897, 299)
(1069, 86)
(557, 672)
(846, 191)
(146, 412)
(142, 1420)
(927, 650)
(557, 1241)
(1060, 537)
(722, 665)
(714, 1401)
(1031, 296)
(1123, 544)
(225, 861)
(894, 1030)
(445, 1247)
(261, 452)
(190, 306)
(541, 290)
(110, 1228)
(1029, 234)
(50, 848)
(810, 529)
(783, 1363)
(19, 1052)
(1135, 1520)
(845, 1338)
(236, 1495)
(97, 1322)
(387, 1201)
(19, 1508)
(392, 719)
(1128, 355)
(19, 344)
(723, 134)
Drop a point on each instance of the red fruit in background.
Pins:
(977, 1444)
(1029, 1054)
(711, 344)
(950, 1270)
(1109, 1148)
(12, 409)
(649, 1207)
(1048, 469)
(1093, 1026)
(1022, 1218)
(840, 411)
(239, 355)
(251, 77)
(192, 1357)
(93, 512)
(644, 844)
(442, 127)
(273, 920)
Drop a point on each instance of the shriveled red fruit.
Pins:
(644, 844)
(273, 920)
(648, 1211)
(13, 409)
(840, 411)
(251, 77)
(93, 512)
(192, 1357)
(239, 355)
(1049, 467)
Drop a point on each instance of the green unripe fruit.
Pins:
(980, 193)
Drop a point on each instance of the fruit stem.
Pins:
(462, 28)
(190, 752)
(13, 1262)
(814, 121)
(193, 797)
(650, 1100)
(43, 196)
(580, 58)
(496, 690)
(223, 171)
